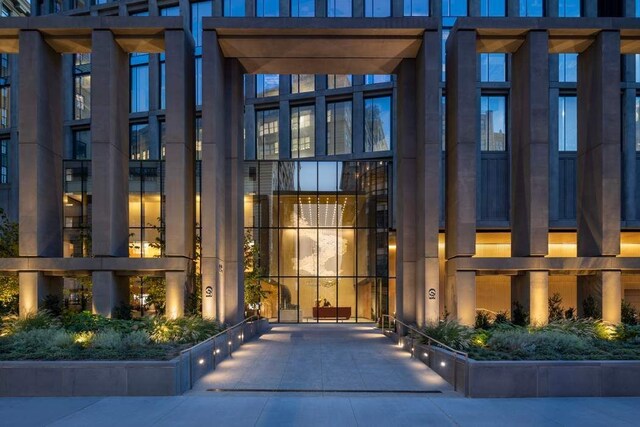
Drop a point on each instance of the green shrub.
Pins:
(136, 339)
(483, 320)
(590, 309)
(629, 314)
(40, 320)
(183, 330)
(451, 333)
(540, 344)
(519, 316)
(570, 313)
(107, 339)
(555, 307)
(502, 317)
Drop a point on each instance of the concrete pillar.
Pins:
(606, 289)
(599, 164)
(530, 170)
(428, 169)
(40, 148)
(180, 166)
(109, 166)
(462, 125)
(406, 213)
(213, 177)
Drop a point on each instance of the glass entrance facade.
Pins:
(321, 229)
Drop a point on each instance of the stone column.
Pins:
(213, 176)
(180, 166)
(598, 164)
(428, 178)
(462, 126)
(109, 166)
(530, 171)
(40, 153)
(408, 213)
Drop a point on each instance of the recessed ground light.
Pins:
(426, 354)
(201, 361)
(443, 364)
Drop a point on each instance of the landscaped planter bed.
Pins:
(123, 378)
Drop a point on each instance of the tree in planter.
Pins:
(519, 316)
(555, 308)
(590, 309)
(9, 287)
(629, 314)
(253, 292)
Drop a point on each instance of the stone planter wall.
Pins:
(123, 378)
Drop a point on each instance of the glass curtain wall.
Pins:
(322, 230)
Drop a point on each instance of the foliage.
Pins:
(450, 333)
(53, 305)
(107, 339)
(555, 307)
(519, 316)
(590, 308)
(122, 311)
(502, 317)
(570, 313)
(253, 291)
(9, 287)
(183, 329)
(483, 320)
(629, 314)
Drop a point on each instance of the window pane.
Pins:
(377, 128)
(568, 67)
(139, 83)
(267, 134)
(638, 123)
(301, 83)
(303, 8)
(4, 161)
(492, 8)
(339, 128)
(5, 106)
(199, 80)
(531, 8)
(454, 7)
(335, 81)
(267, 8)
(199, 10)
(493, 123)
(81, 145)
(141, 145)
(376, 78)
(302, 131)
(267, 85)
(416, 7)
(567, 123)
(163, 83)
(234, 7)
(170, 11)
(493, 67)
(377, 8)
(339, 8)
(569, 8)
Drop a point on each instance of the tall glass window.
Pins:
(81, 144)
(170, 11)
(5, 91)
(637, 68)
(339, 8)
(493, 123)
(162, 63)
(339, 129)
(139, 78)
(82, 86)
(568, 67)
(142, 146)
(267, 85)
(267, 134)
(569, 8)
(198, 11)
(493, 67)
(531, 8)
(370, 79)
(638, 123)
(198, 135)
(234, 7)
(303, 8)
(77, 208)
(4, 161)
(146, 194)
(567, 123)
(198, 67)
(301, 83)
(377, 8)
(303, 131)
(336, 81)
(416, 7)
(267, 8)
(454, 7)
(492, 8)
(377, 124)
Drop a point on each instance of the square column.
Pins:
(530, 171)
(462, 126)
(599, 164)
(428, 167)
(180, 166)
(40, 154)
(109, 166)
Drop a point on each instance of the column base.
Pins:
(531, 290)
(34, 289)
(600, 295)
(109, 292)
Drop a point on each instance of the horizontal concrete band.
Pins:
(575, 265)
(119, 265)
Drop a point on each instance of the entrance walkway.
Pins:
(322, 358)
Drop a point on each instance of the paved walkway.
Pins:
(332, 357)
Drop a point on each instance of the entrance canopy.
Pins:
(320, 45)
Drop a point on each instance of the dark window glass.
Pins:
(568, 67)
(198, 80)
(454, 7)
(303, 8)
(163, 81)
(339, 129)
(370, 79)
(303, 130)
(416, 7)
(198, 11)
(567, 123)
(5, 69)
(492, 8)
(339, 8)
(301, 83)
(377, 8)
(267, 85)
(493, 67)
(234, 7)
(142, 147)
(77, 208)
(82, 86)
(267, 8)
(170, 11)
(638, 123)
(5, 106)
(336, 81)
(139, 81)
(493, 123)
(198, 135)
(82, 144)
(4, 161)
(531, 8)
(267, 134)
(569, 8)
(377, 124)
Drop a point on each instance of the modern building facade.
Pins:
(414, 158)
